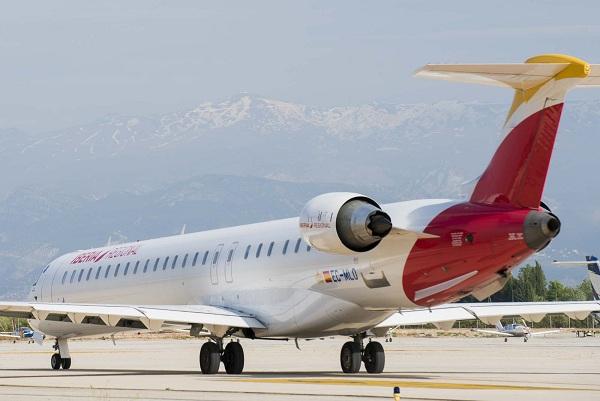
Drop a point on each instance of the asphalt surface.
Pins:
(557, 367)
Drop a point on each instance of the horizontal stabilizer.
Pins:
(520, 76)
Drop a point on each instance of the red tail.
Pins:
(517, 173)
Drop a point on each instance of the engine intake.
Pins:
(344, 223)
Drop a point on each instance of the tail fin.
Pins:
(499, 326)
(517, 172)
(594, 275)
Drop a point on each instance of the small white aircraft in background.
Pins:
(23, 333)
(515, 330)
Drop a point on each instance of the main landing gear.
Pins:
(61, 358)
(353, 353)
(212, 354)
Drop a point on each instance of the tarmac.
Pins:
(555, 367)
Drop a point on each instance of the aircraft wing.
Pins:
(494, 332)
(151, 317)
(444, 316)
(541, 333)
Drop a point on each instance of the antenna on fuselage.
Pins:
(182, 230)
(109, 241)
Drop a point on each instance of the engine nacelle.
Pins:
(343, 222)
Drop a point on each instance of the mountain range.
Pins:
(248, 159)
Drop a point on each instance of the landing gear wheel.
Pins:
(524, 339)
(233, 358)
(350, 357)
(210, 358)
(65, 363)
(505, 339)
(55, 361)
(374, 357)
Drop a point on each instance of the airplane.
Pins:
(515, 330)
(20, 333)
(593, 267)
(344, 265)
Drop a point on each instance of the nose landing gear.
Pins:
(353, 352)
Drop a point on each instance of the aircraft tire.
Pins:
(65, 363)
(233, 358)
(350, 357)
(55, 361)
(374, 357)
(210, 358)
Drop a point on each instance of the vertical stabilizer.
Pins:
(517, 172)
(594, 275)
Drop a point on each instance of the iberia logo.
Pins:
(96, 256)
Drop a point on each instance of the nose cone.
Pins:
(380, 224)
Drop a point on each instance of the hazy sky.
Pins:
(69, 62)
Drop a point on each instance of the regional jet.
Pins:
(344, 266)
(515, 330)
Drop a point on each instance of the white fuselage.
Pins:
(301, 292)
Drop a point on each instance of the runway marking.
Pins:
(412, 384)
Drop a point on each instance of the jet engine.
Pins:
(342, 222)
(540, 228)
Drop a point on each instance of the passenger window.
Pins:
(270, 248)
(297, 245)
(137, 264)
(80, 275)
(117, 269)
(98, 272)
(107, 271)
(247, 251)
(230, 255)
(287, 242)
(73, 276)
(184, 261)
(146, 265)
(174, 262)
(126, 269)
(195, 259)
(87, 278)
(64, 277)
(156, 264)
(166, 263)
(258, 250)
(204, 258)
